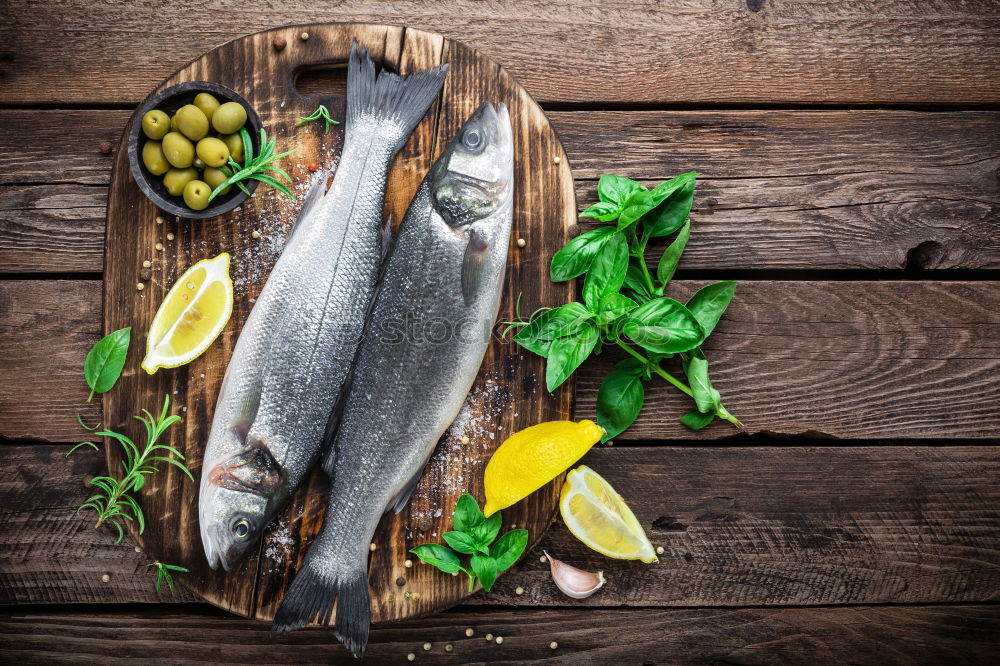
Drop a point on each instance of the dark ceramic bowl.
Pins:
(168, 101)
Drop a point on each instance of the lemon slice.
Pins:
(599, 517)
(532, 457)
(192, 315)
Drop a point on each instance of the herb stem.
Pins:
(681, 386)
(91, 396)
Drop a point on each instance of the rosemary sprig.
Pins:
(320, 112)
(254, 167)
(163, 573)
(114, 501)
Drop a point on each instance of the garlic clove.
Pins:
(573, 582)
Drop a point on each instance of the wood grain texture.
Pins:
(859, 635)
(42, 386)
(854, 360)
(867, 51)
(763, 526)
(779, 190)
(544, 207)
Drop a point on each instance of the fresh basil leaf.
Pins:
(460, 541)
(567, 319)
(105, 360)
(616, 190)
(665, 326)
(577, 255)
(669, 215)
(706, 397)
(614, 306)
(639, 203)
(620, 399)
(439, 556)
(485, 532)
(567, 353)
(467, 514)
(697, 420)
(607, 272)
(603, 211)
(485, 568)
(636, 281)
(709, 302)
(509, 548)
(672, 255)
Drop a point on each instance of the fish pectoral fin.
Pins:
(402, 498)
(246, 412)
(474, 266)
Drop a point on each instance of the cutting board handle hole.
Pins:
(321, 80)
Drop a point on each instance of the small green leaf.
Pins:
(709, 302)
(607, 272)
(620, 398)
(603, 211)
(577, 255)
(697, 420)
(105, 360)
(616, 189)
(706, 397)
(460, 541)
(467, 513)
(636, 281)
(669, 215)
(439, 556)
(614, 306)
(485, 568)
(672, 255)
(552, 324)
(485, 532)
(567, 353)
(509, 548)
(665, 326)
(639, 203)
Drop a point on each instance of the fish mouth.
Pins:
(217, 548)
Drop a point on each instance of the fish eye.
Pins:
(472, 138)
(241, 529)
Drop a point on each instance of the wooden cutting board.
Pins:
(509, 393)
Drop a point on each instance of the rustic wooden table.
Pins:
(851, 161)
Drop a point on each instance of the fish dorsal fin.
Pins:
(246, 411)
(314, 196)
(474, 266)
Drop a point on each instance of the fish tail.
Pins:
(389, 100)
(312, 596)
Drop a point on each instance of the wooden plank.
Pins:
(766, 526)
(46, 329)
(779, 190)
(853, 360)
(865, 634)
(872, 51)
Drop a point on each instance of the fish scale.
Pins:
(299, 341)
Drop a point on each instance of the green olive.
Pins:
(207, 103)
(215, 177)
(212, 151)
(173, 124)
(196, 194)
(198, 162)
(229, 118)
(176, 179)
(192, 122)
(153, 159)
(155, 124)
(235, 144)
(178, 150)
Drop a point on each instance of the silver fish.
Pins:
(426, 338)
(300, 339)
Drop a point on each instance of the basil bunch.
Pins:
(624, 304)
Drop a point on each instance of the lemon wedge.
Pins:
(599, 517)
(192, 315)
(532, 457)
